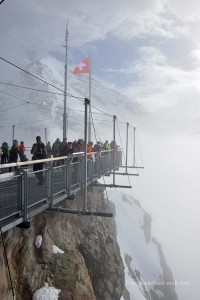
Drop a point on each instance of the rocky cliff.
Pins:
(90, 267)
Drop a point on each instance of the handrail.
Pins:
(32, 162)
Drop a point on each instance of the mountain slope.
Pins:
(32, 111)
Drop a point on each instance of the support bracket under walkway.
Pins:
(125, 174)
(81, 212)
(112, 185)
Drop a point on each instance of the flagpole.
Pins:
(90, 90)
(65, 116)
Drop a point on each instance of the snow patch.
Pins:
(38, 241)
(57, 250)
(46, 293)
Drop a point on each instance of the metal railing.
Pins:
(23, 196)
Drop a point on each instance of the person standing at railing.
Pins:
(114, 145)
(56, 151)
(49, 150)
(74, 146)
(14, 151)
(106, 147)
(80, 145)
(22, 149)
(63, 151)
(63, 148)
(98, 146)
(39, 152)
(4, 153)
(56, 148)
(90, 149)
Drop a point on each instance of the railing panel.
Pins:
(95, 170)
(75, 174)
(89, 168)
(59, 180)
(10, 196)
(37, 192)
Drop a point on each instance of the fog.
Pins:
(168, 189)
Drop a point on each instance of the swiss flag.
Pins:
(83, 67)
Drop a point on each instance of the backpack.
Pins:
(5, 148)
(39, 151)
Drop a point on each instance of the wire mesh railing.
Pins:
(24, 193)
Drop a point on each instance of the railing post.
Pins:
(87, 102)
(24, 195)
(69, 176)
(134, 146)
(114, 154)
(99, 165)
(65, 175)
(78, 173)
(51, 184)
(110, 161)
(127, 125)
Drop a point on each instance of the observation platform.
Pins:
(22, 195)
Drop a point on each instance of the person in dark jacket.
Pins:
(14, 151)
(63, 148)
(49, 150)
(39, 152)
(70, 149)
(4, 155)
(56, 151)
(56, 148)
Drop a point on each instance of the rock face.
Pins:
(90, 267)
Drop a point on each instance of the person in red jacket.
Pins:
(90, 149)
(21, 149)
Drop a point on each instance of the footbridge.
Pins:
(23, 195)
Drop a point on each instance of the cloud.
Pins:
(40, 25)
(164, 88)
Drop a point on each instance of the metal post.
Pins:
(90, 88)
(134, 146)
(114, 154)
(127, 124)
(87, 102)
(51, 185)
(46, 135)
(13, 135)
(65, 117)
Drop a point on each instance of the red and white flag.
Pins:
(84, 67)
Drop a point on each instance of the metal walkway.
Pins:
(22, 196)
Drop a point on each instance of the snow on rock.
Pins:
(38, 241)
(46, 293)
(57, 250)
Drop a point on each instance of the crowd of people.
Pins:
(41, 151)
